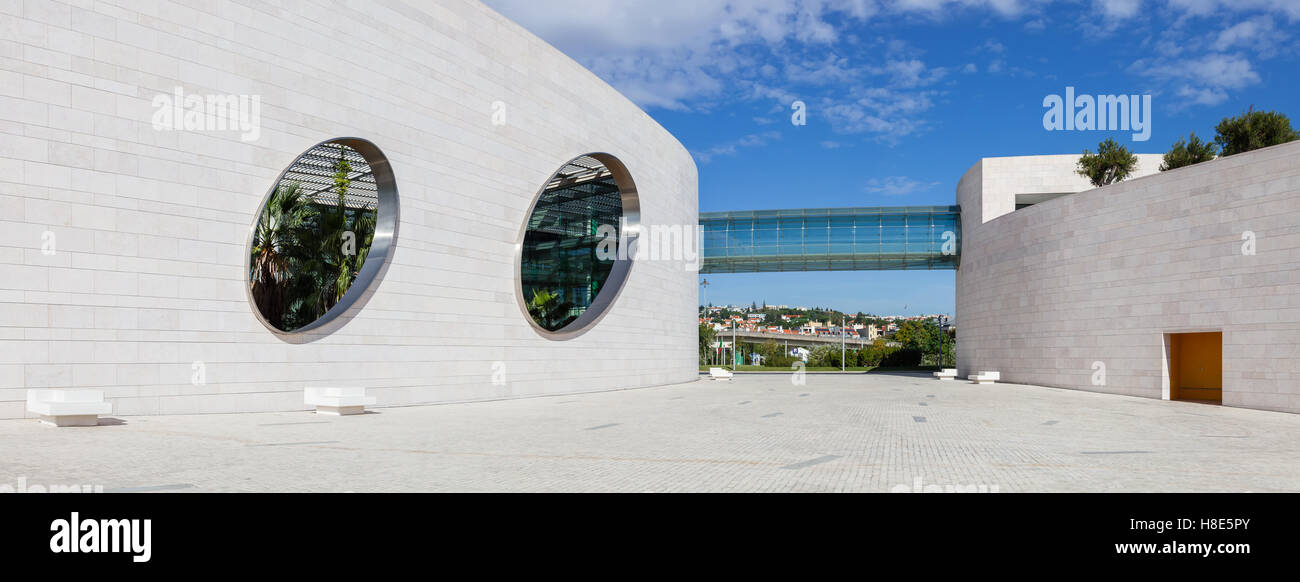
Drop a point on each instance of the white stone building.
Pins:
(1161, 286)
(124, 245)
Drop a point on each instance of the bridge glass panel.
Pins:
(834, 239)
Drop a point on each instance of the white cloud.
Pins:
(897, 186)
(886, 98)
(764, 92)
(1200, 81)
(1170, 44)
(1005, 8)
(1224, 63)
(669, 53)
(1221, 71)
(1258, 34)
(654, 82)
(1215, 8)
(1203, 96)
(1118, 9)
(731, 148)
(912, 73)
(830, 69)
(887, 113)
(703, 54)
(673, 54)
(582, 27)
(1108, 17)
(993, 46)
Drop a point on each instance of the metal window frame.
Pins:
(613, 286)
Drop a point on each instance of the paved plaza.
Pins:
(760, 432)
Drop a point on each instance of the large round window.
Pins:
(578, 245)
(323, 236)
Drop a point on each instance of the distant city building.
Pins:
(867, 332)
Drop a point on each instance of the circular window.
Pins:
(323, 236)
(578, 245)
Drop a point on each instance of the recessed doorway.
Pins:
(1196, 367)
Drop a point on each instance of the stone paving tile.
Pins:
(856, 432)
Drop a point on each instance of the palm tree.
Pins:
(330, 268)
(362, 227)
(300, 266)
(276, 240)
(344, 264)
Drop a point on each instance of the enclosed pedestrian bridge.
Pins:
(889, 238)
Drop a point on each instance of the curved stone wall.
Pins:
(123, 242)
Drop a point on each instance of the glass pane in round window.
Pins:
(567, 276)
(315, 233)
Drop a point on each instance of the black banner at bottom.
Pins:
(812, 534)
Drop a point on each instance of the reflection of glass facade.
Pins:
(831, 239)
(561, 274)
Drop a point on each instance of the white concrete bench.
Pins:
(984, 377)
(337, 401)
(946, 374)
(68, 407)
(720, 374)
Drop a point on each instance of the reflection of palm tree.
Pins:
(275, 241)
(549, 310)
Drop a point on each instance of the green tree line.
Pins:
(1249, 131)
(915, 344)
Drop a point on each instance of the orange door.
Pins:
(1196, 366)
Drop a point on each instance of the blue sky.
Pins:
(903, 96)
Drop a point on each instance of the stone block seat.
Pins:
(720, 374)
(338, 401)
(68, 407)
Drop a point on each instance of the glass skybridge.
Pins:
(831, 239)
